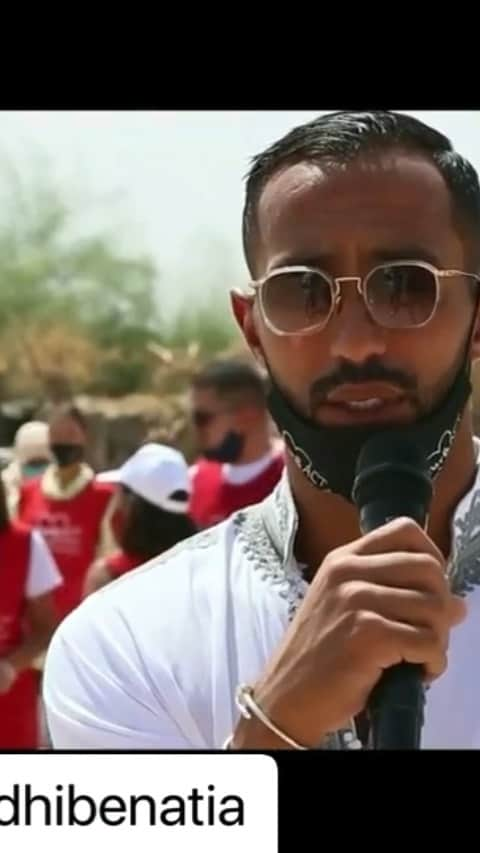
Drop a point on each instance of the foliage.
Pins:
(49, 272)
(73, 304)
(210, 325)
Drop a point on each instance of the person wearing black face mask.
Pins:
(69, 505)
(361, 235)
(240, 462)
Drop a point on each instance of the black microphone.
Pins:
(392, 480)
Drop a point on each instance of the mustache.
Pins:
(351, 374)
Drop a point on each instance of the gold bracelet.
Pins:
(248, 707)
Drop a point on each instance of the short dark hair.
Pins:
(232, 378)
(69, 410)
(341, 137)
(149, 530)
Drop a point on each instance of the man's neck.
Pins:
(256, 447)
(328, 521)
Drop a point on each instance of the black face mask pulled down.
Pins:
(327, 456)
(228, 450)
(67, 454)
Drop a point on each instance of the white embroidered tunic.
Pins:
(153, 660)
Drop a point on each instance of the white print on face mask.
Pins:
(175, 802)
(63, 538)
(303, 461)
(437, 459)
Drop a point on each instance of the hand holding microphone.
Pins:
(393, 480)
(379, 601)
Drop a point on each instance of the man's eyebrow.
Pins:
(408, 253)
(292, 260)
(326, 261)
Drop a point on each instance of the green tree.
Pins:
(48, 271)
(52, 273)
(76, 299)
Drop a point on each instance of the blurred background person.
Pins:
(240, 460)
(152, 511)
(69, 505)
(28, 618)
(31, 456)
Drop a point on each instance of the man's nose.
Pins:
(354, 336)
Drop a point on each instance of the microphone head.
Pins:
(392, 478)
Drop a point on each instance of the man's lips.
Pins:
(383, 392)
(370, 403)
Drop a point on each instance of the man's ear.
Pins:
(243, 308)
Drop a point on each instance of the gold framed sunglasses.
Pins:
(397, 295)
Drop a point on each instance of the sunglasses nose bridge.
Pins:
(348, 279)
(339, 281)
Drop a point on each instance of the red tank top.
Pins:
(18, 707)
(120, 563)
(72, 529)
(214, 499)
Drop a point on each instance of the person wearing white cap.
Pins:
(153, 510)
(31, 456)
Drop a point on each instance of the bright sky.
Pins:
(173, 181)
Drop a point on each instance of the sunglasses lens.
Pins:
(401, 296)
(296, 301)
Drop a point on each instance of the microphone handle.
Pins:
(396, 708)
(396, 704)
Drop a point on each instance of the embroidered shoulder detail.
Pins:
(465, 564)
(284, 509)
(258, 547)
(266, 557)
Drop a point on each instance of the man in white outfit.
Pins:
(271, 629)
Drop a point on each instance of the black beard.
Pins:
(327, 456)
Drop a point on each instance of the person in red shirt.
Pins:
(28, 578)
(241, 462)
(31, 456)
(153, 509)
(69, 505)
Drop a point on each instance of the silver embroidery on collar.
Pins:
(266, 533)
(258, 546)
(464, 568)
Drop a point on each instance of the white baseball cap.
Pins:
(155, 472)
(31, 442)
